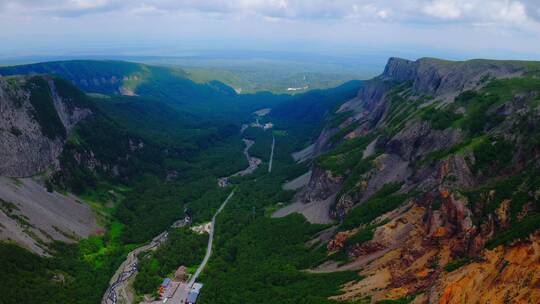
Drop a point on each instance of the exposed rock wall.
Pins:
(24, 148)
(447, 79)
(435, 245)
(441, 80)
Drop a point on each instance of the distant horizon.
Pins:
(370, 64)
(373, 30)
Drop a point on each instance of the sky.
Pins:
(454, 29)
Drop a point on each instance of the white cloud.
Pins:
(469, 24)
(89, 4)
(467, 11)
(444, 9)
(514, 12)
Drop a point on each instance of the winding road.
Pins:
(210, 241)
(118, 286)
(182, 291)
(119, 290)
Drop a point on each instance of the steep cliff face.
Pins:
(35, 119)
(390, 104)
(446, 79)
(434, 168)
(37, 114)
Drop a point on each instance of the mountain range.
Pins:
(417, 186)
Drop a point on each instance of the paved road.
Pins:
(118, 290)
(182, 290)
(271, 155)
(210, 241)
(118, 287)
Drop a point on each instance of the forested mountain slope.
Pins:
(104, 173)
(434, 167)
(96, 76)
(119, 78)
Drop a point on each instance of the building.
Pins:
(166, 282)
(197, 287)
(181, 274)
(164, 286)
(193, 295)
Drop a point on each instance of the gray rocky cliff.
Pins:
(446, 79)
(25, 150)
(431, 79)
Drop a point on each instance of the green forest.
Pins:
(183, 248)
(158, 156)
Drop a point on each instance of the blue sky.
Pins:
(455, 29)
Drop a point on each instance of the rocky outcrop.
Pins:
(25, 147)
(436, 246)
(446, 79)
(322, 185)
(504, 275)
(439, 80)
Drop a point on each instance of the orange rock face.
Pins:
(507, 275)
(338, 241)
(408, 255)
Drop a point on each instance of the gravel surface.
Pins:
(298, 182)
(51, 216)
(316, 212)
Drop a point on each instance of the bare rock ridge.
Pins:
(441, 81)
(445, 139)
(432, 79)
(446, 78)
(34, 121)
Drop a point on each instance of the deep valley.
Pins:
(420, 185)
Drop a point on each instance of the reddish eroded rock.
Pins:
(338, 242)
(344, 204)
(444, 170)
(456, 215)
(366, 248)
(503, 275)
(502, 214)
(409, 256)
(434, 165)
(525, 210)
